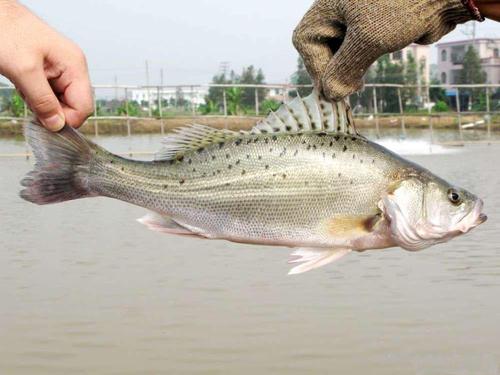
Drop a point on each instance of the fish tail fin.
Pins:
(62, 165)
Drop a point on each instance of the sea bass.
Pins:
(302, 178)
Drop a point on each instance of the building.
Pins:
(195, 95)
(422, 56)
(451, 55)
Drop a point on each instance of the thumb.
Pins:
(345, 72)
(41, 99)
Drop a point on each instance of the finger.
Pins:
(345, 71)
(317, 37)
(78, 102)
(40, 98)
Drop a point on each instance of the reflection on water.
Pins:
(85, 289)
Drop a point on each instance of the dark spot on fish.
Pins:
(284, 176)
(314, 147)
(248, 156)
(230, 166)
(324, 155)
(301, 126)
(313, 125)
(256, 140)
(276, 129)
(218, 171)
(275, 138)
(325, 123)
(344, 149)
(304, 142)
(194, 170)
(333, 156)
(340, 174)
(264, 131)
(350, 182)
(204, 175)
(353, 139)
(296, 153)
(165, 186)
(373, 161)
(228, 156)
(274, 174)
(238, 162)
(331, 143)
(337, 137)
(213, 157)
(111, 161)
(213, 173)
(338, 128)
(221, 144)
(190, 161)
(308, 147)
(227, 184)
(182, 181)
(267, 166)
(260, 157)
(200, 150)
(249, 141)
(243, 172)
(361, 161)
(171, 161)
(271, 149)
(306, 183)
(288, 128)
(322, 134)
(354, 156)
(122, 169)
(266, 140)
(322, 106)
(238, 142)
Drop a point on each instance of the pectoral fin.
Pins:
(314, 258)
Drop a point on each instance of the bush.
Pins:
(441, 107)
(16, 105)
(269, 105)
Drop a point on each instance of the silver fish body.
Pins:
(303, 181)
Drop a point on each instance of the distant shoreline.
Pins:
(13, 128)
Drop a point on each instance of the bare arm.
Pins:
(48, 70)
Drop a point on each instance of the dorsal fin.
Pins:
(191, 137)
(309, 114)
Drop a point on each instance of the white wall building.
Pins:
(451, 54)
(422, 56)
(195, 95)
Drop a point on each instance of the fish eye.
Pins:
(454, 197)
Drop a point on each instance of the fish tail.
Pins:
(62, 165)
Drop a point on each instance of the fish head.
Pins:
(426, 210)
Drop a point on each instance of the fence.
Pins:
(375, 102)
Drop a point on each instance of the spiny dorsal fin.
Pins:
(311, 113)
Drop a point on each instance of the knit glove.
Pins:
(340, 39)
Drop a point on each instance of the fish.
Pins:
(302, 178)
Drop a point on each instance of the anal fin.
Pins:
(164, 224)
(312, 258)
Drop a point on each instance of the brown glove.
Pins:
(340, 39)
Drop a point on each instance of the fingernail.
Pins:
(54, 123)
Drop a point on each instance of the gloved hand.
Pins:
(340, 39)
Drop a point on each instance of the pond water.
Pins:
(86, 289)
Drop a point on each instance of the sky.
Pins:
(188, 39)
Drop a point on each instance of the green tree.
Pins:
(234, 99)
(472, 73)
(134, 109)
(301, 77)
(16, 105)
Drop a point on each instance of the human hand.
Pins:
(340, 39)
(49, 71)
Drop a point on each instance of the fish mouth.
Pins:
(475, 218)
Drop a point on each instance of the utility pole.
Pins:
(224, 68)
(147, 89)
